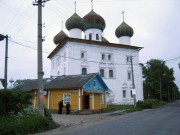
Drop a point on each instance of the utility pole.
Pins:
(40, 72)
(2, 37)
(133, 90)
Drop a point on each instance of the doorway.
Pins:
(86, 101)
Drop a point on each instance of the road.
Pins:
(160, 121)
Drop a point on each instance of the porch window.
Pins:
(66, 98)
(101, 99)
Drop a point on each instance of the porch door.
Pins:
(86, 101)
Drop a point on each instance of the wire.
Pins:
(70, 57)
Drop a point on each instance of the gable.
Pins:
(96, 84)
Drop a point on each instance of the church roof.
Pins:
(91, 42)
(93, 20)
(59, 37)
(75, 21)
(124, 30)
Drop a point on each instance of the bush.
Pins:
(27, 121)
(13, 101)
(147, 104)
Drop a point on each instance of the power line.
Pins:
(79, 59)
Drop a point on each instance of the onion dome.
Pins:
(59, 37)
(105, 40)
(124, 30)
(75, 21)
(93, 20)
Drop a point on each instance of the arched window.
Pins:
(124, 93)
(84, 71)
(97, 37)
(90, 36)
(102, 72)
(103, 57)
(110, 73)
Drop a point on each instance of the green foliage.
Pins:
(149, 104)
(159, 80)
(27, 121)
(118, 107)
(13, 101)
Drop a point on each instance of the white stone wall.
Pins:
(93, 62)
(125, 40)
(75, 33)
(93, 32)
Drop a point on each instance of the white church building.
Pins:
(92, 53)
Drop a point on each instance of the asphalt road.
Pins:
(160, 121)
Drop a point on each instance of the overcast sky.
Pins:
(156, 25)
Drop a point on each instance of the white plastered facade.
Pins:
(68, 61)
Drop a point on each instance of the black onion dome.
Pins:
(75, 21)
(93, 20)
(59, 37)
(124, 30)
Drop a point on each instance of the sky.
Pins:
(155, 24)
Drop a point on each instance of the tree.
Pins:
(159, 81)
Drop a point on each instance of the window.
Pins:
(65, 56)
(131, 94)
(58, 61)
(103, 57)
(124, 93)
(66, 98)
(82, 55)
(97, 37)
(94, 83)
(84, 71)
(110, 73)
(90, 36)
(109, 57)
(102, 72)
(101, 99)
(128, 59)
(129, 75)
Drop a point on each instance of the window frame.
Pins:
(65, 101)
(124, 95)
(111, 74)
(97, 36)
(102, 56)
(129, 75)
(101, 73)
(84, 71)
(102, 98)
(90, 36)
(109, 57)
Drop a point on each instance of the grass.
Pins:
(111, 108)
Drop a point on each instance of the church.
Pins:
(85, 50)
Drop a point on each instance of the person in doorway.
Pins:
(68, 106)
(60, 104)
